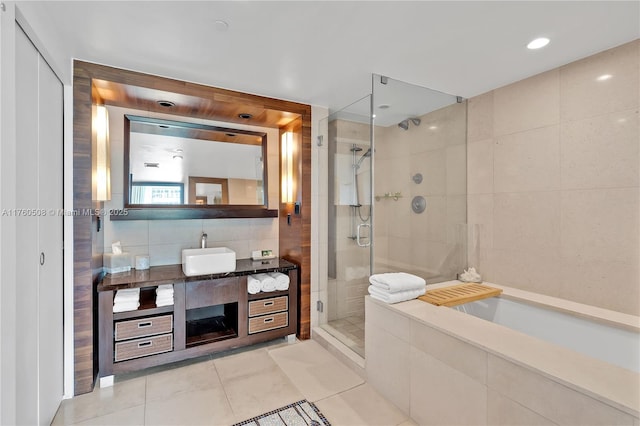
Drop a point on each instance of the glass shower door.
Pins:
(350, 220)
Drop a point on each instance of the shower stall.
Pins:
(396, 196)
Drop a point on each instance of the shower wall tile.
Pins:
(480, 122)
(601, 152)
(527, 161)
(456, 215)
(527, 220)
(583, 95)
(527, 104)
(436, 218)
(456, 170)
(601, 224)
(432, 165)
(480, 213)
(536, 270)
(480, 167)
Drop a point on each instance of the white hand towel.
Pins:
(164, 301)
(165, 288)
(267, 283)
(122, 307)
(127, 295)
(253, 285)
(282, 280)
(400, 296)
(394, 282)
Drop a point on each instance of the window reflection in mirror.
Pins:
(181, 163)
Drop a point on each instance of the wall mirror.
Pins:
(183, 165)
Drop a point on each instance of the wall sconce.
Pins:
(101, 154)
(288, 191)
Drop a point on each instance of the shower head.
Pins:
(404, 124)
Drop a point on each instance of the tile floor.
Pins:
(227, 388)
(350, 331)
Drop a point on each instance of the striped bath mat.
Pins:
(300, 413)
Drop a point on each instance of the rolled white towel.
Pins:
(267, 283)
(400, 296)
(126, 306)
(127, 295)
(164, 288)
(394, 282)
(282, 280)
(253, 285)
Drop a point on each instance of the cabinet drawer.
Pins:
(268, 322)
(213, 292)
(142, 327)
(143, 347)
(268, 306)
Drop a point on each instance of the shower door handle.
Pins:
(368, 243)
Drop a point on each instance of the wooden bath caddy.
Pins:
(459, 294)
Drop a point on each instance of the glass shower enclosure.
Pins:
(396, 195)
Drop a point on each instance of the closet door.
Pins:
(27, 255)
(39, 345)
(50, 280)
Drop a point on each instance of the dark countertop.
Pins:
(169, 274)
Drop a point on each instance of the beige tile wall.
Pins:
(429, 244)
(553, 181)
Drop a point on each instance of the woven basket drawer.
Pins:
(142, 327)
(143, 347)
(268, 322)
(268, 306)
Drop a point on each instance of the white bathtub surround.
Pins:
(442, 366)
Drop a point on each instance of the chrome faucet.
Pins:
(203, 241)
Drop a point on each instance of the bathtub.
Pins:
(617, 345)
(496, 363)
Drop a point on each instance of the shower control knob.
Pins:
(418, 204)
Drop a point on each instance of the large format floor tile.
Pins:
(234, 386)
(361, 405)
(314, 371)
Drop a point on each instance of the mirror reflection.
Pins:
(180, 163)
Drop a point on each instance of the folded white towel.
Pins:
(394, 282)
(164, 289)
(253, 285)
(127, 295)
(282, 280)
(400, 296)
(163, 298)
(267, 283)
(128, 306)
(166, 301)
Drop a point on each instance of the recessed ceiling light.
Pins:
(179, 150)
(177, 157)
(538, 43)
(166, 104)
(433, 127)
(220, 25)
(245, 115)
(384, 106)
(604, 77)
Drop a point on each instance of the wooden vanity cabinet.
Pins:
(208, 315)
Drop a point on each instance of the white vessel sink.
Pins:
(214, 260)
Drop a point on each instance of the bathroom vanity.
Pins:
(210, 313)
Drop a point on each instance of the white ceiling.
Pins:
(323, 53)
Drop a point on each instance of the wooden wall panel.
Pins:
(295, 240)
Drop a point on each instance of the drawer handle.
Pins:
(266, 320)
(268, 303)
(145, 324)
(145, 344)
